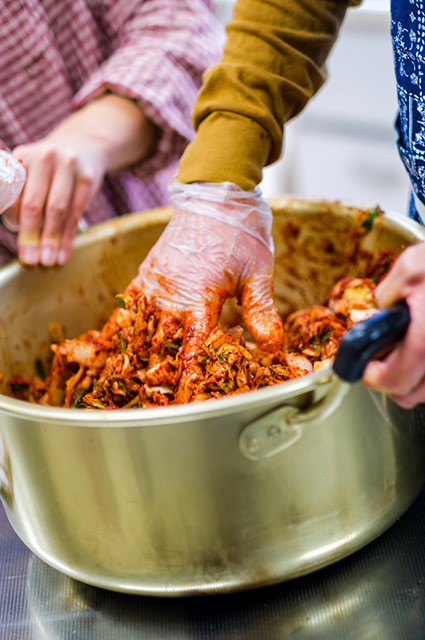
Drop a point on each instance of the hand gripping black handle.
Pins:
(369, 340)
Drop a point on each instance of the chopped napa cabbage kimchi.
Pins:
(129, 363)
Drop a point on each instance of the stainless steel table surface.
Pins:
(377, 593)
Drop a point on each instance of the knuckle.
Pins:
(47, 154)
(55, 211)
(86, 178)
(31, 209)
(68, 158)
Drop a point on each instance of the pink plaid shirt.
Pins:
(55, 55)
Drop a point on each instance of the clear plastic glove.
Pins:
(401, 374)
(217, 245)
(12, 180)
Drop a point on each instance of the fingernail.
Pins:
(48, 256)
(62, 256)
(29, 255)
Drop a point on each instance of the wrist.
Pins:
(244, 210)
(130, 140)
(227, 146)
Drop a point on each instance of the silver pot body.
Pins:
(168, 501)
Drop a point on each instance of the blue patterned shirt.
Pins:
(408, 37)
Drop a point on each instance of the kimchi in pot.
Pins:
(212, 496)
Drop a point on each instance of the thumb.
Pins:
(260, 313)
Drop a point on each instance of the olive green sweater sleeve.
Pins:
(273, 63)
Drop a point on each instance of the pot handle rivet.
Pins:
(270, 434)
(274, 432)
(254, 445)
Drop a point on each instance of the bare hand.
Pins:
(63, 175)
(66, 168)
(401, 374)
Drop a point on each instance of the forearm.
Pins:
(115, 126)
(159, 51)
(273, 63)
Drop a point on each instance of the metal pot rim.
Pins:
(176, 414)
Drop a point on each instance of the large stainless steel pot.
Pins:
(176, 500)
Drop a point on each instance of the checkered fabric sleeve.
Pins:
(160, 49)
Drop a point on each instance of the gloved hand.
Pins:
(401, 374)
(218, 244)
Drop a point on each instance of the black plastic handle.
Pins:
(369, 340)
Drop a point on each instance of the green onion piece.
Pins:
(326, 335)
(171, 345)
(373, 213)
(123, 343)
(79, 397)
